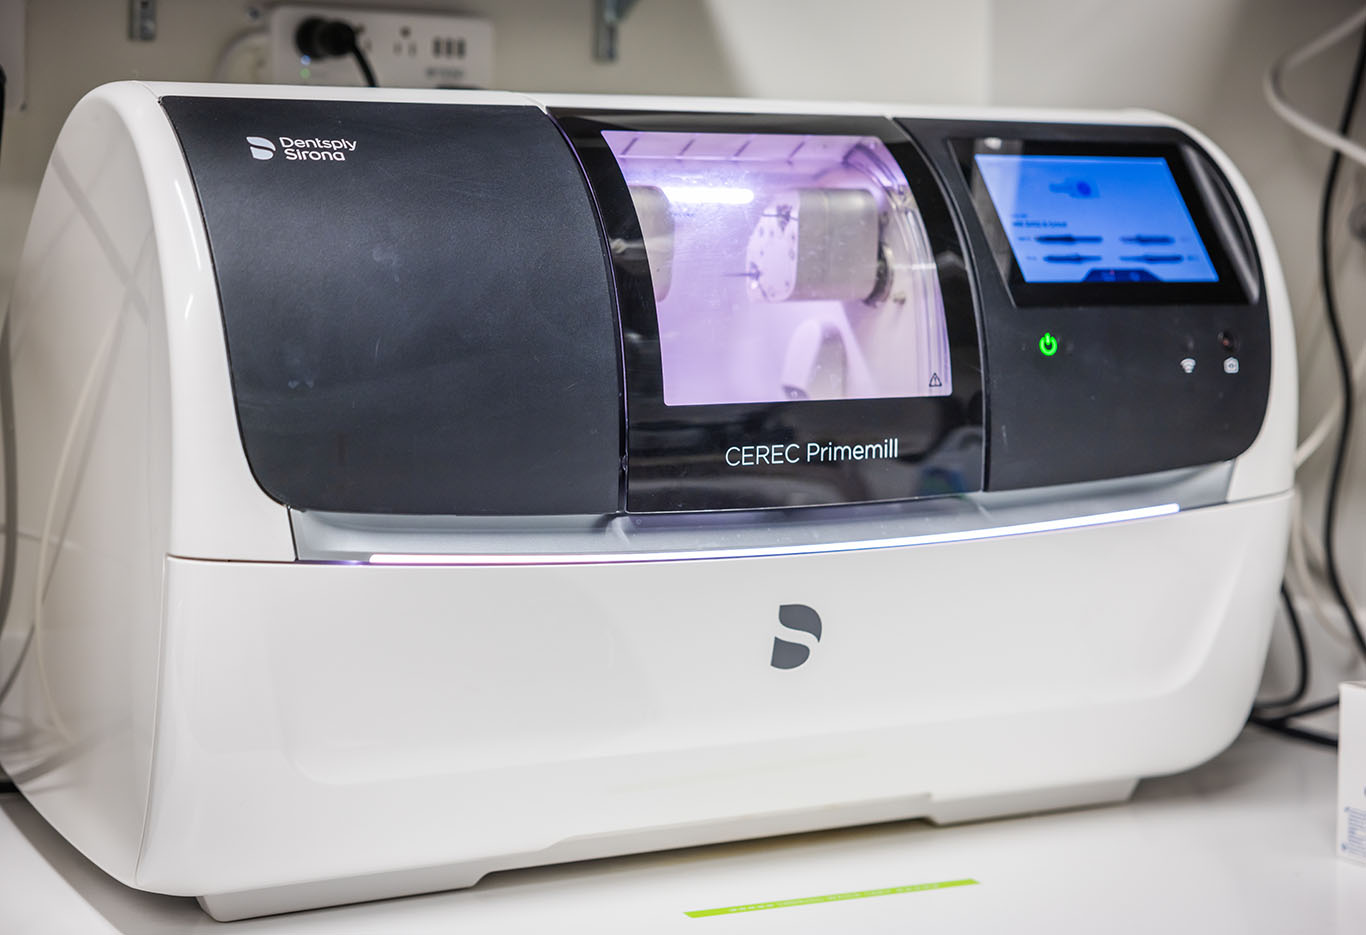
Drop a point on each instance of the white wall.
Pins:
(873, 49)
(925, 51)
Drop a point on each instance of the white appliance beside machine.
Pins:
(413, 485)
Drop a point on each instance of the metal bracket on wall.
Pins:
(608, 15)
(142, 20)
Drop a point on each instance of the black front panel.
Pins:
(1116, 374)
(417, 304)
(729, 346)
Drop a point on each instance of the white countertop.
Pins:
(1241, 845)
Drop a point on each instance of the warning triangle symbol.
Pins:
(935, 381)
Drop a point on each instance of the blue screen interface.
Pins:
(1095, 219)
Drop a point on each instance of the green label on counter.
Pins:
(830, 898)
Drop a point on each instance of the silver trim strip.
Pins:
(606, 558)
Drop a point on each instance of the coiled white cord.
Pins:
(1275, 94)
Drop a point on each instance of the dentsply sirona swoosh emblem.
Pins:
(261, 148)
(802, 619)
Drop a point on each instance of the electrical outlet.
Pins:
(406, 50)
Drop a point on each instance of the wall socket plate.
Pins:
(406, 50)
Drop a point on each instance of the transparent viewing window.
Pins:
(785, 267)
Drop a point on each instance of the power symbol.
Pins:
(1048, 345)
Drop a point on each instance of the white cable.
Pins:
(234, 47)
(1323, 428)
(1311, 549)
(1315, 439)
(1306, 585)
(1307, 552)
(1305, 549)
(1275, 95)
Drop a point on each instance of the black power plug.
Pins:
(318, 37)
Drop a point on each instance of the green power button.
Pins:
(1048, 345)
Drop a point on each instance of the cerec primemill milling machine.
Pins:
(413, 485)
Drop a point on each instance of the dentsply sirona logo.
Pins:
(798, 617)
(261, 148)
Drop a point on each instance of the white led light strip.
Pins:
(609, 558)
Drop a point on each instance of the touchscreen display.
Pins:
(1095, 219)
(784, 267)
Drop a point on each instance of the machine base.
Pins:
(229, 907)
(978, 808)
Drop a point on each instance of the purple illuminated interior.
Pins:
(785, 267)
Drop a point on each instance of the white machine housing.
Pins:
(220, 696)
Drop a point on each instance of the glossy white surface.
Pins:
(91, 412)
(117, 234)
(510, 716)
(1242, 845)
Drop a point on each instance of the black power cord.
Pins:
(1318, 706)
(1280, 723)
(11, 533)
(9, 459)
(1298, 733)
(9, 463)
(1301, 655)
(318, 37)
(1344, 361)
